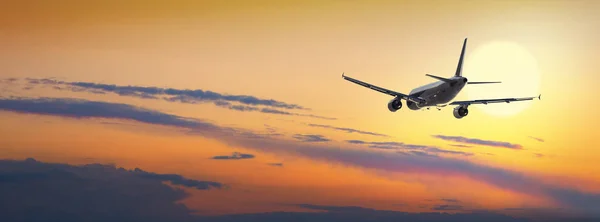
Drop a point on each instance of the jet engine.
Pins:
(460, 112)
(412, 105)
(395, 104)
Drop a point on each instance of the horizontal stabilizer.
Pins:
(483, 82)
(439, 78)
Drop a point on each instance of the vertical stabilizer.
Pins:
(460, 61)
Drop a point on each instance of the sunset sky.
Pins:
(241, 104)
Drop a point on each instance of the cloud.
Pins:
(450, 200)
(348, 130)
(414, 149)
(418, 153)
(438, 150)
(334, 208)
(536, 138)
(234, 156)
(582, 202)
(461, 145)
(274, 111)
(178, 180)
(275, 164)
(575, 200)
(37, 191)
(8, 80)
(538, 155)
(181, 95)
(76, 108)
(310, 138)
(461, 139)
(248, 103)
(447, 207)
(355, 214)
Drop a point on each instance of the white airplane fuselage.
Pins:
(437, 93)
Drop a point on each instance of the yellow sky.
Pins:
(295, 52)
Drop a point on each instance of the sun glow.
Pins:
(509, 63)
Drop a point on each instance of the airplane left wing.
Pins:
(383, 90)
(486, 101)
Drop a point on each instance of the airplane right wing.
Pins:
(486, 101)
(383, 90)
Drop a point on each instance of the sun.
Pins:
(509, 63)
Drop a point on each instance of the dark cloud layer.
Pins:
(234, 156)
(577, 201)
(447, 207)
(34, 191)
(356, 214)
(348, 130)
(475, 141)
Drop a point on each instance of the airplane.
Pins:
(438, 93)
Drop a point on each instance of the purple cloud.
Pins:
(476, 141)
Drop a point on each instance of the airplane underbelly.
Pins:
(441, 96)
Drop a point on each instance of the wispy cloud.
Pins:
(275, 164)
(348, 130)
(476, 141)
(447, 207)
(310, 138)
(450, 200)
(181, 95)
(245, 103)
(418, 153)
(245, 108)
(414, 149)
(461, 145)
(234, 156)
(178, 180)
(585, 202)
(77, 108)
(536, 138)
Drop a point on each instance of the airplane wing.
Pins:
(486, 101)
(383, 90)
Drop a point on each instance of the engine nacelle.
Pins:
(460, 112)
(412, 105)
(395, 104)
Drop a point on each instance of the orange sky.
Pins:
(295, 52)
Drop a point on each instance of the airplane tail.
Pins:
(460, 61)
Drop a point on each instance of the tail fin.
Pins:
(460, 61)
